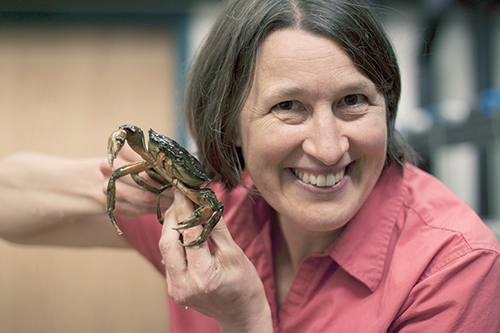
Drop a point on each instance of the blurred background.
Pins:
(71, 72)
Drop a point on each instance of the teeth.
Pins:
(320, 180)
(330, 180)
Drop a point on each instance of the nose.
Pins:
(326, 139)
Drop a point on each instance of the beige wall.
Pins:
(63, 90)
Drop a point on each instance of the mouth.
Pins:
(320, 180)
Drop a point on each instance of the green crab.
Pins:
(169, 164)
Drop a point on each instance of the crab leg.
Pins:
(135, 167)
(146, 184)
(210, 204)
(207, 204)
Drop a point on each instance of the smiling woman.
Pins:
(310, 91)
(318, 134)
(292, 104)
(232, 54)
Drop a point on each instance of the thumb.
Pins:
(180, 209)
(183, 206)
(184, 209)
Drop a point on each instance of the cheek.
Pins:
(264, 141)
(371, 138)
(376, 145)
(376, 141)
(266, 150)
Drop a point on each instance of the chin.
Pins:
(318, 222)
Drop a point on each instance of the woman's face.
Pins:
(313, 131)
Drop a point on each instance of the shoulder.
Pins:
(441, 228)
(439, 208)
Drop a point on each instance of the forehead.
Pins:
(296, 40)
(293, 56)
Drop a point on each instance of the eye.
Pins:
(287, 106)
(352, 100)
(290, 112)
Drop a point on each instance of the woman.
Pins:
(329, 229)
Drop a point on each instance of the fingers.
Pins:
(179, 259)
(173, 257)
(182, 209)
(188, 269)
(173, 253)
(170, 248)
(223, 285)
(197, 260)
(220, 236)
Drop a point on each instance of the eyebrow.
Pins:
(293, 91)
(360, 85)
(298, 91)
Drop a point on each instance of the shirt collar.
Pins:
(362, 247)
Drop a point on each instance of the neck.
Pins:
(299, 243)
(290, 246)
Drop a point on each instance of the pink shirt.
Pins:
(413, 259)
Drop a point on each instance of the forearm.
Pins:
(40, 192)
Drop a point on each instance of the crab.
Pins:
(169, 164)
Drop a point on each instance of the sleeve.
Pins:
(463, 296)
(143, 234)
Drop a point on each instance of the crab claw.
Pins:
(115, 143)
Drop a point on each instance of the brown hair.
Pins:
(222, 74)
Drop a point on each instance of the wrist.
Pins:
(260, 321)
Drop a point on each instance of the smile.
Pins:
(320, 180)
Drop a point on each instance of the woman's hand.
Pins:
(132, 200)
(223, 285)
